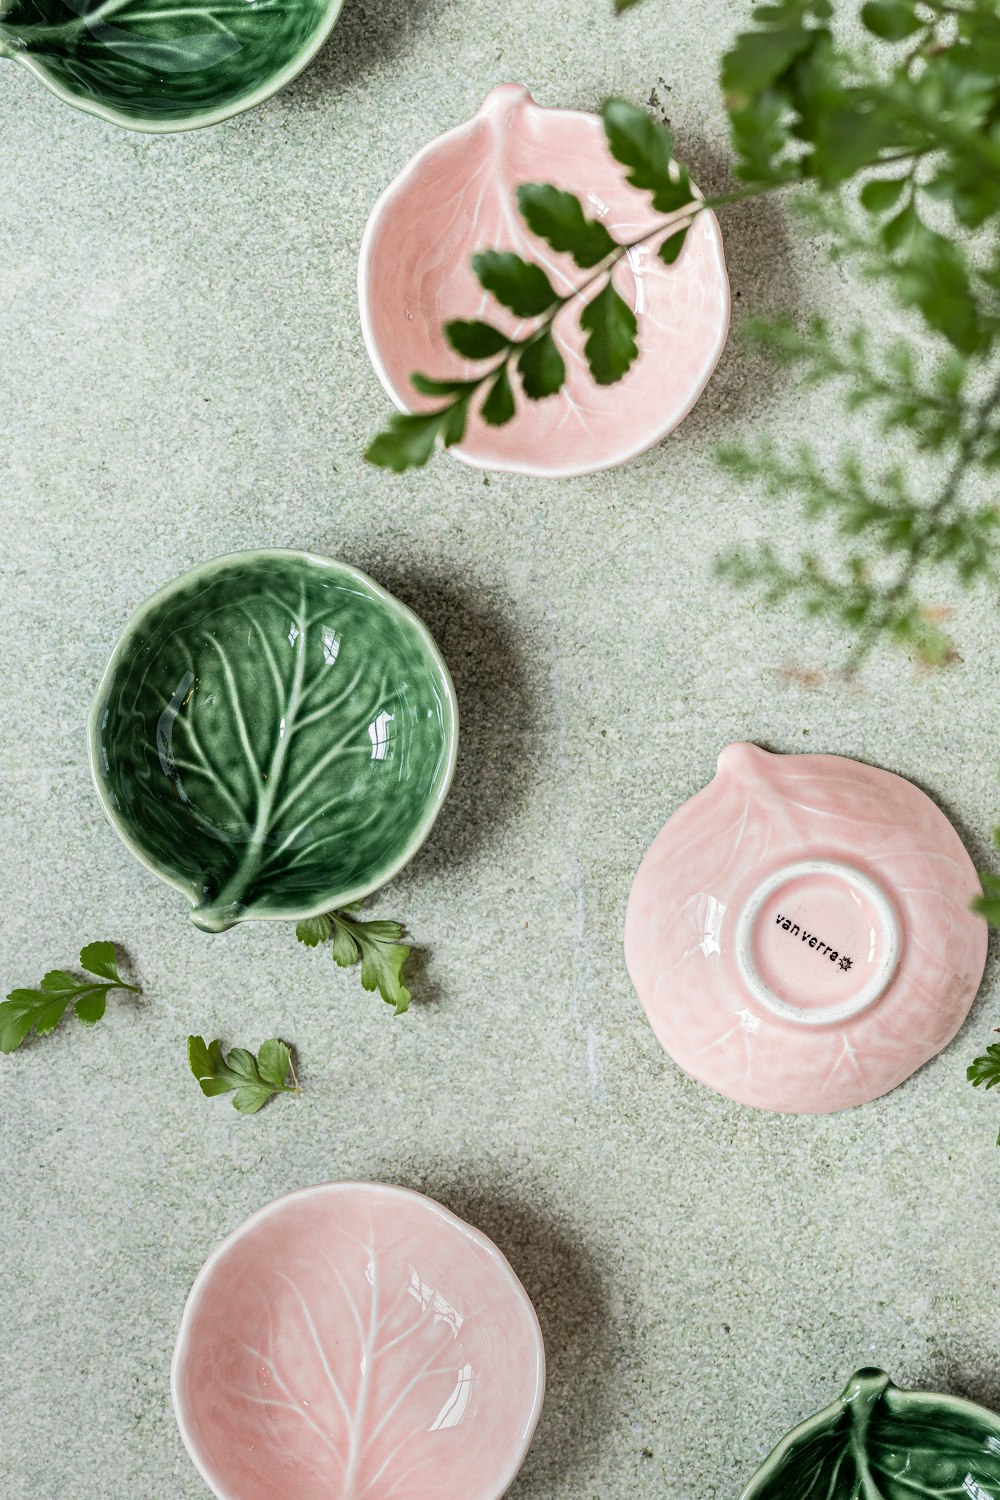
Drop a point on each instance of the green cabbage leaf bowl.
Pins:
(877, 1442)
(161, 65)
(274, 736)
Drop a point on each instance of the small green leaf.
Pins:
(498, 408)
(639, 143)
(428, 386)
(252, 1081)
(200, 1057)
(91, 1006)
(543, 371)
(58, 982)
(273, 1061)
(610, 326)
(99, 959)
(475, 340)
(313, 930)
(345, 950)
(985, 1071)
(453, 426)
(882, 193)
(672, 247)
(250, 1098)
(382, 969)
(517, 283)
(382, 957)
(988, 904)
(558, 218)
(407, 442)
(935, 277)
(892, 20)
(241, 1063)
(20, 1012)
(898, 231)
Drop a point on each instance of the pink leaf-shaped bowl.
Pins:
(360, 1342)
(799, 932)
(456, 197)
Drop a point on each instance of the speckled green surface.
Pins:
(183, 374)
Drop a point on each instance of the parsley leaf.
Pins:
(638, 142)
(406, 443)
(375, 944)
(558, 218)
(518, 284)
(45, 1007)
(892, 20)
(610, 326)
(543, 371)
(474, 340)
(985, 1070)
(498, 408)
(988, 904)
(252, 1081)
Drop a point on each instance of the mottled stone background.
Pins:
(182, 374)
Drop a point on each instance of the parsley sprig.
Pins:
(43, 1008)
(375, 944)
(251, 1080)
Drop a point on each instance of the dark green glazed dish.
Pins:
(880, 1443)
(159, 65)
(274, 735)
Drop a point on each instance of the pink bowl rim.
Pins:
(522, 466)
(387, 1190)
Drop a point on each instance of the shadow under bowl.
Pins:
(361, 1341)
(273, 736)
(159, 67)
(877, 1442)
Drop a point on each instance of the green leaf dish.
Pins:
(157, 66)
(880, 1443)
(274, 736)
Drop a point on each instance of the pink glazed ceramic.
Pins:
(358, 1342)
(457, 196)
(800, 934)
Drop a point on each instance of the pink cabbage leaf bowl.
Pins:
(799, 932)
(458, 196)
(357, 1341)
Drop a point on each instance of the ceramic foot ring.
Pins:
(799, 932)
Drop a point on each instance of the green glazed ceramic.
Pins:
(880, 1443)
(157, 65)
(273, 735)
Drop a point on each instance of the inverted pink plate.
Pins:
(457, 196)
(799, 932)
(357, 1342)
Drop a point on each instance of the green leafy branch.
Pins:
(897, 153)
(44, 1007)
(375, 944)
(925, 119)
